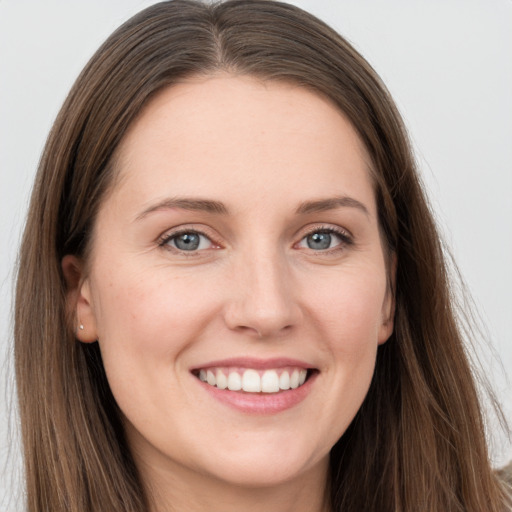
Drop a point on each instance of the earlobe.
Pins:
(78, 298)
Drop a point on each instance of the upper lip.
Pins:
(256, 363)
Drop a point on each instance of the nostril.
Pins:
(265, 332)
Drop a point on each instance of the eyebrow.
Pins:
(331, 203)
(218, 208)
(196, 205)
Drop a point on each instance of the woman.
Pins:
(234, 286)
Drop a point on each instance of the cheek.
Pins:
(349, 317)
(148, 316)
(350, 309)
(146, 319)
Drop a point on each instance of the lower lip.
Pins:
(261, 403)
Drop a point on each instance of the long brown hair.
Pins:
(417, 442)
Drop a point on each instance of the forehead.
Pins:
(237, 134)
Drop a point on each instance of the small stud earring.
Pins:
(81, 327)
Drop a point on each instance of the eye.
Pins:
(324, 239)
(188, 241)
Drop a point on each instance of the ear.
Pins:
(388, 306)
(78, 299)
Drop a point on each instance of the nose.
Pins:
(263, 302)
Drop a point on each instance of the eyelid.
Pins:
(169, 234)
(330, 228)
(345, 236)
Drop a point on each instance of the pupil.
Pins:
(187, 242)
(319, 241)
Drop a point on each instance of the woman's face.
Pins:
(239, 245)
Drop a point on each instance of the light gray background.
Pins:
(448, 64)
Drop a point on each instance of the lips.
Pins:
(257, 385)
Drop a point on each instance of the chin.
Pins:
(266, 464)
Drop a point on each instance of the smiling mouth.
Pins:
(251, 380)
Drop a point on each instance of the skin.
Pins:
(254, 288)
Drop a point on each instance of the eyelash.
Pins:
(165, 240)
(345, 239)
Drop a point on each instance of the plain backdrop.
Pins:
(448, 64)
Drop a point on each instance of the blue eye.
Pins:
(323, 239)
(319, 241)
(188, 241)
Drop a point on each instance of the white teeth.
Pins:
(284, 381)
(210, 378)
(294, 379)
(222, 380)
(251, 381)
(270, 382)
(234, 381)
(254, 381)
